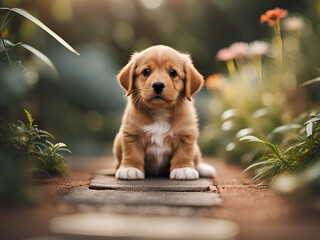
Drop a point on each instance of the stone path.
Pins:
(154, 208)
(194, 199)
(106, 190)
(97, 225)
(259, 212)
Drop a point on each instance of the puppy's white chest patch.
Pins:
(157, 152)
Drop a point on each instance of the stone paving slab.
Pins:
(108, 197)
(102, 182)
(150, 210)
(119, 226)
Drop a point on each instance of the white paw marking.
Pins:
(130, 173)
(206, 170)
(185, 173)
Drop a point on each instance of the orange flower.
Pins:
(214, 81)
(273, 16)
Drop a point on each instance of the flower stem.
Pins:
(258, 66)
(231, 69)
(297, 35)
(280, 50)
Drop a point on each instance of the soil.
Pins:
(260, 213)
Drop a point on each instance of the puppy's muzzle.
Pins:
(158, 87)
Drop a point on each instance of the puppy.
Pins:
(159, 128)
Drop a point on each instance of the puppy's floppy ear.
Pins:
(126, 76)
(194, 80)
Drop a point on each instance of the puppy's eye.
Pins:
(146, 72)
(172, 73)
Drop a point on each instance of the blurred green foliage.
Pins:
(84, 107)
(264, 96)
(296, 170)
(260, 91)
(26, 152)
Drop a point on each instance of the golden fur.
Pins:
(159, 133)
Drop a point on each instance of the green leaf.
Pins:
(251, 138)
(263, 172)
(262, 112)
(229, 114)
(36, 135)
(44, 133)
(41, 25)
(40, 144)
(10, 44)
(59, 145)
(51, 145)
(312, 120)
(286, 128)
(258, 164)
(315, 80)
(30, 119)
(39, 148)
(64, 149)
(5, 50)
(36, 52)
(309, 129)
(244, 132)
(271, 146)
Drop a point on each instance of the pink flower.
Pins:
(258, 48)
(294, 24)
(225, 54)
(239, 49)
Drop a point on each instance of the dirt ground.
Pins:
(260, 213)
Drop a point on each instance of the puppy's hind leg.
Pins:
(205, 170)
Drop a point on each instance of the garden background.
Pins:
(83, 107)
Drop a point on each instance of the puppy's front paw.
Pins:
(185, 173)
(130, 173)
(206, 170)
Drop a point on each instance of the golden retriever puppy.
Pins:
(159, 128)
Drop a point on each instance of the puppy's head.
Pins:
(160, 76)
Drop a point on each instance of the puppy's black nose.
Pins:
(158, 87)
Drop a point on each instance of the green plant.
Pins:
(32, 145)
(26, 152)
(257, 94)
(257, 100)
(43, 153)
(302, 152)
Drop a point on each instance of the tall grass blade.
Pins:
(36, 52)
(5, 50)
(258, 164)
(41, 25)
(312, 81)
